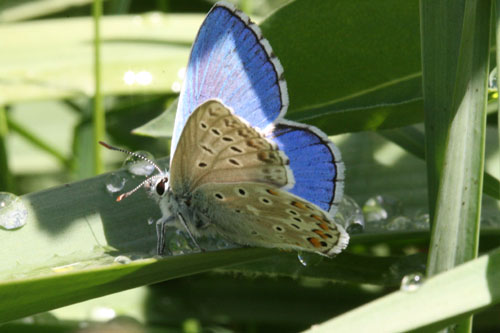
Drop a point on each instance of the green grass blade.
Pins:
(455, 233)
(5, 176)
(65, 253)
(459, 198)
(161, 126)
(24, 297)
(497, 35)
(441, 27)
(38, 68)
(439, 302)
(26, 10)
(37, 141)
(98, 112)
(327, 49)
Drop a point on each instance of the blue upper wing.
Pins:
(232, 62)
(315, 162)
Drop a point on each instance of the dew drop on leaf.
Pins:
(412, 282)
(115, 182)
(13, 213)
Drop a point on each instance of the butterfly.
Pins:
(238, 169)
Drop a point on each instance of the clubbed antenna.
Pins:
(124, 195)
(131, 153)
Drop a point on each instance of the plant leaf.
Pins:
(328, 49)
(457, 293)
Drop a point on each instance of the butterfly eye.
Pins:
(160, 187)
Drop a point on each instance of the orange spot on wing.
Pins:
(273, 192)
(316, 217)
(323, 225)
(320, 233)
(314, 241)
(298, 204)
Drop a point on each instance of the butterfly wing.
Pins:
(259, 214)
(218, 146)
(315, 161)
(232, 62)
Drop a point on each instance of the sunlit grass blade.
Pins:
(459, 199)
(98, 111)
(25, 10)
(438, 302)
(37, 141)
(455, 233)
(497, 35)
(440, 40)
(5, 176)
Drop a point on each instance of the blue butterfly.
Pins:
(239, 170)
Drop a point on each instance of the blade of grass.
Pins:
(497, 27)
(455, 233)
(24, 297)
(98, 112)
(342, 94)
(459, 204)
(65, 253)
(5, 176)
(37, 141)
(457, 293)
(440, 28)
(31, 9)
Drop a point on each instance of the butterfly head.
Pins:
(157, 185)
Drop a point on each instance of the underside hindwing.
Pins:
(258, 214)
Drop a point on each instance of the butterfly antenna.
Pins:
(133, 154)
(124, 195)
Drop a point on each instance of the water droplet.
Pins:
(222, 244)
(176, 86)
(492, 79)
(137, 20)
(115, 182)
(123, 260)
(155, 18)
(144, 78)
(102, 313)
(380, 208)
(178, 244)
(422, 221)
(129, 77)
(13, 213)
(349, 215)
(412, 282)
(45, 318)
(309, 259)
(399, 223)
(139, 167)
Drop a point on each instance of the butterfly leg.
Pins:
(183, 222)
(161, 227)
